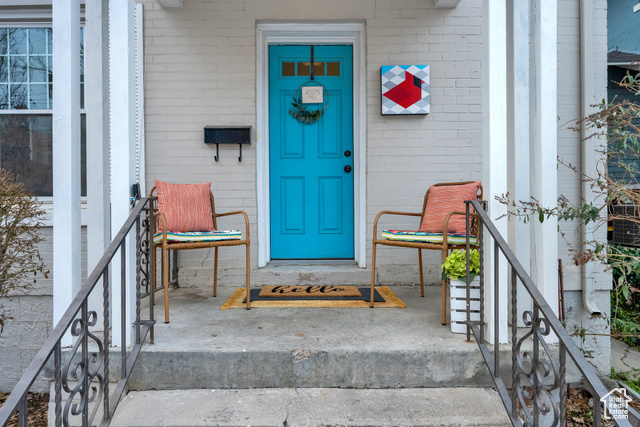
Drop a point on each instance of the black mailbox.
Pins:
(227, 135)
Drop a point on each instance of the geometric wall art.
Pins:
(405, 89)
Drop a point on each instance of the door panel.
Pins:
(293, 204)
(292, 142)
(311, 193)
(330, 200)
(330, 142)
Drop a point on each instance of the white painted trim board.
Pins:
(304, 34)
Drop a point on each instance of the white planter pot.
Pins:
(458, 304)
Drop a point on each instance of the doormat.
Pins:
(384, 298)
(309, 291)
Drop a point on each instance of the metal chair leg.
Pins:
(444, 291)
(248, 277)
(153, 274)
(165, 282)
(421, 274)
(215, 272)
(373, 273)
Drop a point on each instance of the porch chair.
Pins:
(186, 218)
(442, 227)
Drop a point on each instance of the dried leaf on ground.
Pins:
(37, 408)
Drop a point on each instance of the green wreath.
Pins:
(300, 112)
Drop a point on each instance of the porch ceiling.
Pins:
(440, 4)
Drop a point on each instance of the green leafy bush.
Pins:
(625, 296)
(455, 265)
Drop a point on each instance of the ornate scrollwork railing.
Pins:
(538, 392)
(81, 374)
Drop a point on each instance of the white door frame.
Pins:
(306, 34)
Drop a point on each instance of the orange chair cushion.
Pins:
(445, 199)
(187, 207)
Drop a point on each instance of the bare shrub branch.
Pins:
(20, 222)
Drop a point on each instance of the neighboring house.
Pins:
(217, 63)
(623, 55)
(623, 23)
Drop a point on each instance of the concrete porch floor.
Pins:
(205, 347)
(195, 316)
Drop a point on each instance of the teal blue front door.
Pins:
(311, 165)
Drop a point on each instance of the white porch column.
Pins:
(495, 155)
(96, 54)
(518, 133)
(544, 141)
(123, 151)
(66, 155)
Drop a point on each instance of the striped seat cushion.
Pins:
(199, 236)
(424, 237)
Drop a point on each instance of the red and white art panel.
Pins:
(405, 89)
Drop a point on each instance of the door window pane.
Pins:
(318, 68)
(303, 69)
(288, 69)
(333, 68)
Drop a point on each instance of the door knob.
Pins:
(347, 169)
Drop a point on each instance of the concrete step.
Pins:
(205, 347)
(312, 407)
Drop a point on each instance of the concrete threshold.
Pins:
(313, 407)
(311, 272)
(329, 263)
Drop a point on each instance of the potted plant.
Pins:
(455, 269)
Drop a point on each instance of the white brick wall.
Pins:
(407, 154)
(200, 70)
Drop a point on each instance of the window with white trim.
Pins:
(26, 102)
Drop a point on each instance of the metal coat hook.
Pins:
(227, 135)
(218, 153)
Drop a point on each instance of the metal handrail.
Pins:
(93, 366)
(530, 387)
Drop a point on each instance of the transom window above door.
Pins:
(302, 68)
